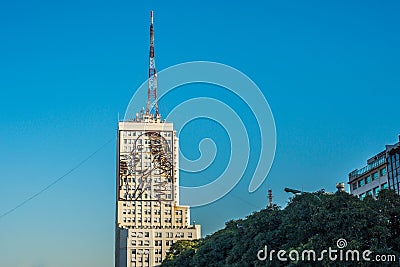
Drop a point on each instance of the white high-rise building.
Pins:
(149, 218)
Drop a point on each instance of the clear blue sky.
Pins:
(329, 69)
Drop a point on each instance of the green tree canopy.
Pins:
(310, 221)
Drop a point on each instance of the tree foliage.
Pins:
(310, 221)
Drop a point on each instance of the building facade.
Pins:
(370, 179)
(149, 218)
(382, 171)
(393, 165)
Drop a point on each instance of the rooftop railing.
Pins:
(369, 167)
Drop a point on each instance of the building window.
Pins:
(362, 196)
(383, 171)
(376, 191)
(361, 183)
(180, 235)
(354, 186)
(374, 176)
(367, 179)
(384, 186)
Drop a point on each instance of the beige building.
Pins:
(370, 179)
(149, 218)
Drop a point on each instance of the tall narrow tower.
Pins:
(152, 82)
(149, 218)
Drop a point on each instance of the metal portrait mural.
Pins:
(149, 166)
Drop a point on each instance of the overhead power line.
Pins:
(49, 186)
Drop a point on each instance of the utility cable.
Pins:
(49, 186)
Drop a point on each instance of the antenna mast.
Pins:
(152, 84)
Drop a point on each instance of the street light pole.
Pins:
(295, 192)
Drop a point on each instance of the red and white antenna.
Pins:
(152, 84)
